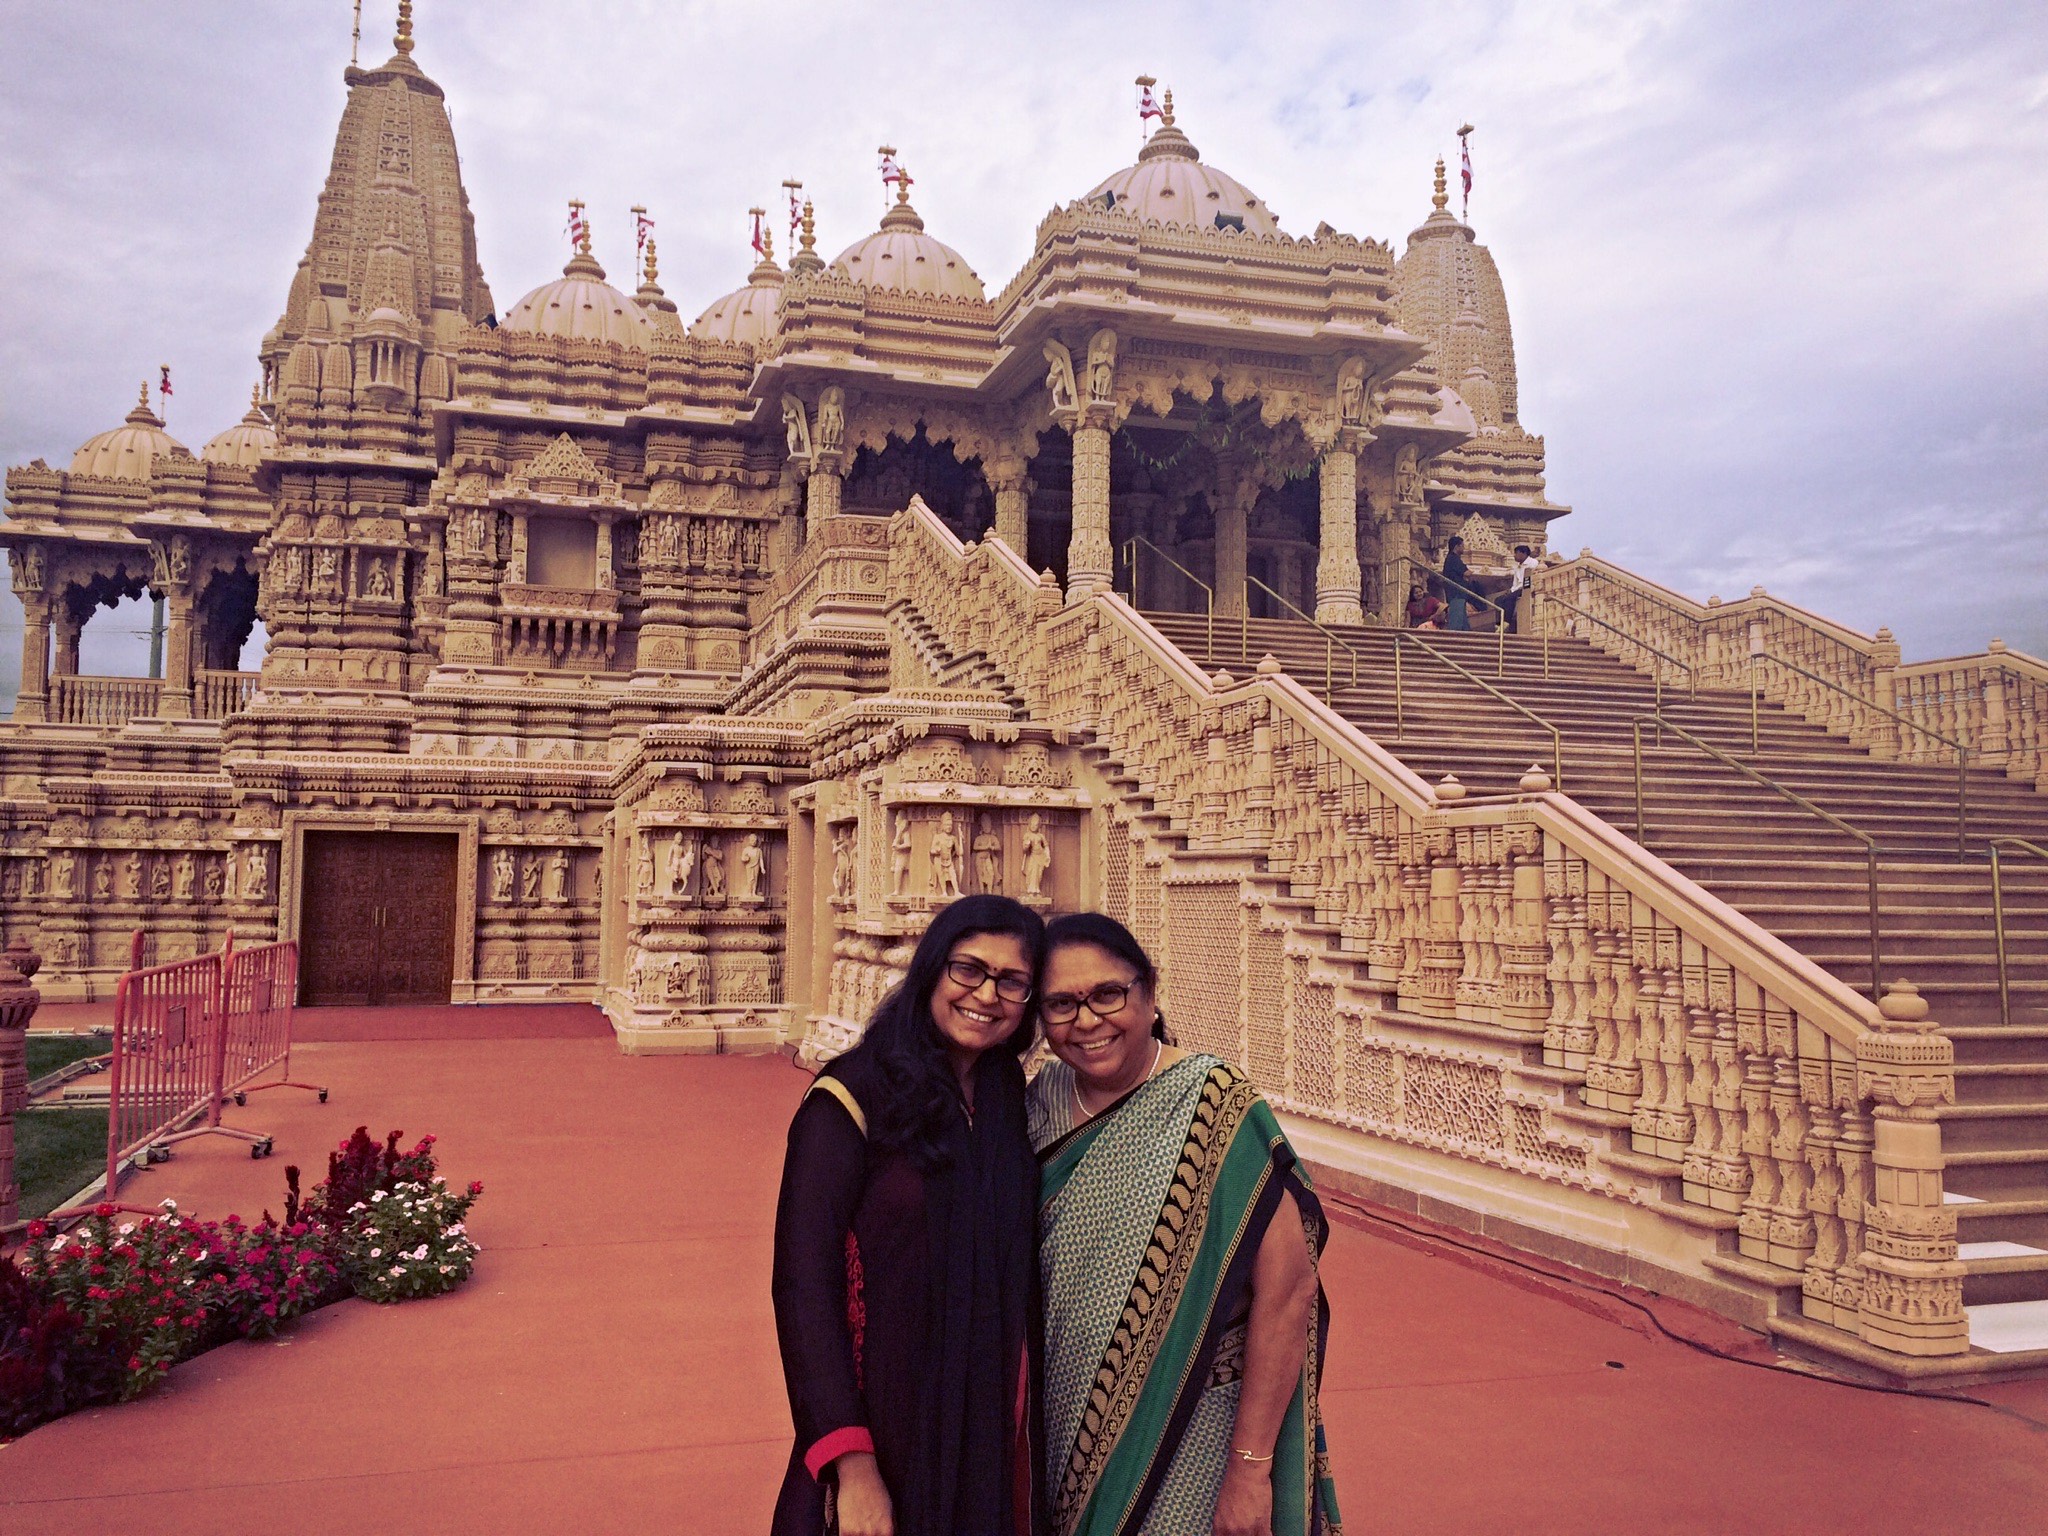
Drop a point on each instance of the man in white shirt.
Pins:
(1525, 567)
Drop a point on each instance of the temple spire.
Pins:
(1442, 199)
(403, 41)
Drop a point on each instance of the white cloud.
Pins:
(1776, 271)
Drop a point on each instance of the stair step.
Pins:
(2009, 1327)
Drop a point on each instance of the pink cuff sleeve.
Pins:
(835, 1445)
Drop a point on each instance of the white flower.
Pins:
(447, 1269)
(457, 1230)
(358, 1206)
(418, 1253)
(379, 1195)
(167, 1205)
(125, 1228)
(376, 1253)
(398, 1269)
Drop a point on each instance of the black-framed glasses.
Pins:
(1011, 986)
(1103, 1001)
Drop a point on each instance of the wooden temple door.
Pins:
(377, 923)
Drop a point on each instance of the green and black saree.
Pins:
(1150, 1218)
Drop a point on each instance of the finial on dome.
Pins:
(652, 269)
(403, 41)
(1442, 199)
(1166, 109)
(810, 240)
(806, 257)
(142, 397)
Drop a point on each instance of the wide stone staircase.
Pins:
(1796, 873)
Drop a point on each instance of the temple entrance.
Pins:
(377, 918)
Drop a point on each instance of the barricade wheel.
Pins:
(241, 1099)
(157, 1155)
(323, 1095)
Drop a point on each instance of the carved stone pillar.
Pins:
(821, 493)
(1233, 514)
(32, 703)
(1090, 560)
(174, 702)
(1337, 576)
(1012, 487)
(1912, 1294)
(605, 580)
(65, 630)
(515, 568)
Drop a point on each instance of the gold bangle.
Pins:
(1248, 1456)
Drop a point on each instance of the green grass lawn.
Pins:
(46, 1053)
(56, 1154)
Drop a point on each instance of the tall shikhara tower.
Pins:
(355, 366)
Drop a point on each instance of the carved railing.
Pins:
(570, 627)
(78, 700)
(1769, 1098)
(216, 695)
(1994, 703)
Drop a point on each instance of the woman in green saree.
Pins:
(1178, 1235)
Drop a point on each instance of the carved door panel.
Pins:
(377, 922)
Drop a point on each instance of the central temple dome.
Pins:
(581, 305)
(902, 256)
(748, 315)
(125, 452)
(1170, 184)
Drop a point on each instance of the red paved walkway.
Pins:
(611, 1367)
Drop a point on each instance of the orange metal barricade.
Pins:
(261, 984)
(186, 1036)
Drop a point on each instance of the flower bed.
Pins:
(101, 1312)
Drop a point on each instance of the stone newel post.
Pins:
(18, 1003)
(1912, 1296)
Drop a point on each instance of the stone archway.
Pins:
(881, 482)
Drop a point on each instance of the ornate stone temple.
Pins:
(685, 668)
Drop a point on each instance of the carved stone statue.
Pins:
(501, 876)
(181, 558)
(1351, 392)
(214, 881)
(64, 873)
(1102, 366)
(1059, 377)
(680, 980)
(378, 583)
(160, 879)
(529, 881)
(749, 864)
(988, 857)
(842, 861)
(326, 572)
(1407, 478)
(831, 434)
(796, 428)
(555, 891)
(131, 876)
(1037, 856)
(714, 871)
(899, 854)
(682, 858)
(102, 878)
(28, 568)
(256, 874)
(185, 878)
(945, 857)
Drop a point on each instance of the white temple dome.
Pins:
(1170, 184)
(747, 315)
(902, 256)
(581, 305)
(125, 452)
(245, 443)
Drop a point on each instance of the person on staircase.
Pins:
(1456, 593)
(1525, 568)
(1424, 608)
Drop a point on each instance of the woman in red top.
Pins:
(905, 1252)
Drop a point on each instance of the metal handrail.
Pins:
(1998, 916)
(1962, 752)
(1331, 638)
(1208, 592)
(1401, 712)
(1500, 616)
(1692, 675)
(1870, 849)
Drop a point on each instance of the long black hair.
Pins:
(903, 1047)
(1112, 937)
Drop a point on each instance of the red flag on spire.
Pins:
(796, 213)
(892, 173)
(1148, 104)
(163, 382)
(643, 226)
(579, 227)
(760, 245)
(1465, 167)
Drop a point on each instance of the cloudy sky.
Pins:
(1777, 271)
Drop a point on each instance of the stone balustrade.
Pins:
(1728, 1079)
(1994, 704)
(80, 700)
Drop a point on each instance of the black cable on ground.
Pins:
(1580, 1282)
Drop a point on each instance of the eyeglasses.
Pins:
(1011, 986)
(1103, 1001)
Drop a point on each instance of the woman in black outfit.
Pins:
(905, 1252)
